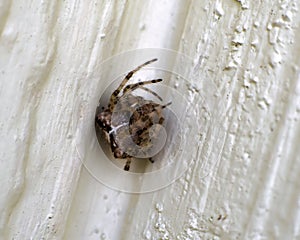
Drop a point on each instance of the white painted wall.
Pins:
(243, 180)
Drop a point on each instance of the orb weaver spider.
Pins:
(141, 113)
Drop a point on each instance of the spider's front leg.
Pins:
(113, 98)
(132, 87)
(150, 91)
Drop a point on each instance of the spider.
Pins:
(141, 113)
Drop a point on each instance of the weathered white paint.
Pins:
(243, 180)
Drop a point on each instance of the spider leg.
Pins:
(132, 87)
(113, 97)
(158, 111)
(150, 91)
(161, 120)
(127, 165)
(164, 106)
(113, 143)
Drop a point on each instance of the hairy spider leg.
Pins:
(168, 104)
(113, 98)
(150, 91)
(161, 119)
(132, 87)
(113, 143)
(127, 164)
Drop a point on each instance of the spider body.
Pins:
(127, 119)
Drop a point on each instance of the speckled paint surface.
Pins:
(243, 178)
